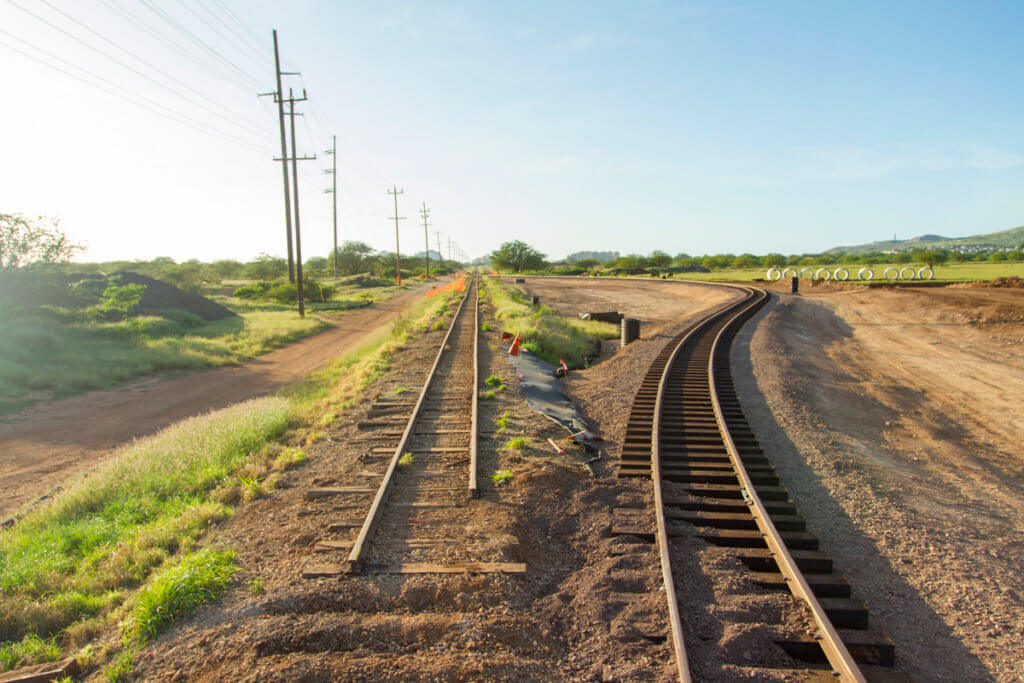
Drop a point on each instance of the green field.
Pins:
(955, 272)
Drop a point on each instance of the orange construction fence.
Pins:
(453, 286)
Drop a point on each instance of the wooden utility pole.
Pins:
(425, 212)
(295, 196)
(333, 191)
(394, 191)
(279, 97)
(437, 234)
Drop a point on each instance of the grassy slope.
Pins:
(116, 551)
(543, 330)
(1003, 238)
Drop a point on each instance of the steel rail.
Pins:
(675, 621)
(474, 486)
(380, 499)
(835, 650)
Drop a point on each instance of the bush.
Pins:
(118, 300)
(257, 290)
(286, 292)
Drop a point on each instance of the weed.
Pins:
(255, 585)
(489, 395)
(501, 476)
(400, 390)
(516, 443)
(121, 666)
(503, 420)
(251, 488)
(492, 381)
(180, 588)
(29, 650)
(438, 325)
(288, 458)
(486, 327)
(406, 459)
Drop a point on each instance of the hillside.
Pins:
(1014, 237)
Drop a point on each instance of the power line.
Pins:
(252, 124)
(139, 23)
(244, 49)
(117, 91)
(174, 23)
(259, 40)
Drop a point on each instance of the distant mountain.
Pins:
(1012, 238)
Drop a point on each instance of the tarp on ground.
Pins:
(544, 393)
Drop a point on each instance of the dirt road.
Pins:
(894, 418)
(42, 447)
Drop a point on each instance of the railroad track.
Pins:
(423, 454)
(688, 433)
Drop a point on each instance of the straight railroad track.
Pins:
(687, 432)
(415, 514)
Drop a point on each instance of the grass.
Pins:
(407, 459)
(545, 331)
(120, 547)
(31, 650)
(502, 421)
(489, 395)
(953, 272)
(486, 327)
(53, 353)
(501, 476)
(177, 589)
(516, 443)
(492, 381)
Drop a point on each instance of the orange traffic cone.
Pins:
(514, 349)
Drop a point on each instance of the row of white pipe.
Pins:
(842, 274)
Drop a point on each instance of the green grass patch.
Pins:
(492, 381)
(53, 353)
(516, 443)
(28, 651)
(407, 459)
(486, 327)
(193, 580)
(489, 395)
(501, 476)
(503, 421)
(288, 458)
(545, 331)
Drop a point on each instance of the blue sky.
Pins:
(696, 127)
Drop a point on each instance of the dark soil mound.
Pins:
(160, 296)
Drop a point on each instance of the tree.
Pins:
(266, 267)
(745, 261)
(902, 257)
(517, 256)
(997, 257)
(659, 259)
(1015, 255)
(773, 260)
(354, 258)
(29, 243)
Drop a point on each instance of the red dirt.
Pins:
(40, 448)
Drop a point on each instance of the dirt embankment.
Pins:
(894, 417)
(43, 447)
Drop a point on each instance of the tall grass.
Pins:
(543, 330)
(53, 353)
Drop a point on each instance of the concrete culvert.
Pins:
(789, 272)
(773, 274)
(926, 273)
(841, 274)
(806, 273)
(891, 273)
(823, 274)
(866, 274)
(907, 273)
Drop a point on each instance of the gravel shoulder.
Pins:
(894, 418)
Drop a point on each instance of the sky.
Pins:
(696, 127)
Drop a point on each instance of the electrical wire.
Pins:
(254, 127)
(174, 23)
(261, 49)
(117, 91)
(258, 60)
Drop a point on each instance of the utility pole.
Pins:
(437, 233)
(333, 191)
(449, 248)
(425, 212)
(394, 191)
(295, 196)
(279, 98)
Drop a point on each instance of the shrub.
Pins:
(118, 300)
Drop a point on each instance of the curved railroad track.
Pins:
(687, 427)
(414, 520)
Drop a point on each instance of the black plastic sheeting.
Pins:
(543, 392)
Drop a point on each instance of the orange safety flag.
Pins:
(514, 349)
(457, 285)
